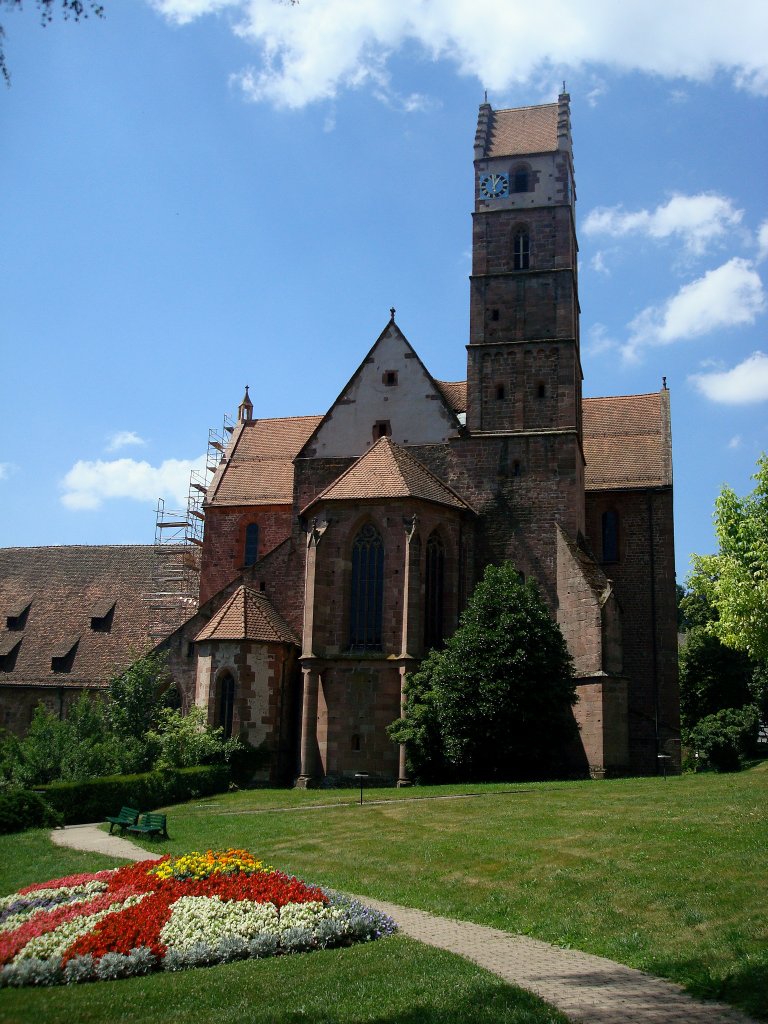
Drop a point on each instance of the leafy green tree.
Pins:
(712, 677)
(725, 740)
(90, 748)
(734, 582)
(184, 741)
(135, 695)
(42, 750)
(496, 701)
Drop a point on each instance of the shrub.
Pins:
(93, 799)
(21, 809)
(724, 740)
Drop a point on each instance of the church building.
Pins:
(339, 549)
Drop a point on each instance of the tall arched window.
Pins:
(434, 587)
(520, 180)
(521, 251)
(226, 704)
(367, 595)
(610, 524)
(251, 554)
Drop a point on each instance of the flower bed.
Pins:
(171, 914)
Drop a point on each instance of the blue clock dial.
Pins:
(494, 186)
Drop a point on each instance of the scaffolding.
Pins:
(178, 545)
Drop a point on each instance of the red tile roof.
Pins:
(523, 130)
(455, 393)
(248, 615)
(258, 467)
(627, 441)
(65, 587)
(389, 471)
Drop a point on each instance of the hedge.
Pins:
(92, 800)
(21, 809)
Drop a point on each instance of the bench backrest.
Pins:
(129, 812)
(152, 820)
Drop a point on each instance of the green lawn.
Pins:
(669, 877)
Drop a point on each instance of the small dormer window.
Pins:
(390, 378)
(102, 614)
(63, 655)
(9, 649)
(16, 618)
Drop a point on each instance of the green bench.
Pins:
(151, 825)
(127, 816)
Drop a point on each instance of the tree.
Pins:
(712, 677)
(735, 581)
(74, 9)
(187, 740)
(496, 701)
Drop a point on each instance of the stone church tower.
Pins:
(340, 548)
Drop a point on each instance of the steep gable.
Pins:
(390, 394)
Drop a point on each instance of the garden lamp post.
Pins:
(362, 776)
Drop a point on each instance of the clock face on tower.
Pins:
(494, 186)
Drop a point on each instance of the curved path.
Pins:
(588, 989)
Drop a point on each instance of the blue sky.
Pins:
(200, 194)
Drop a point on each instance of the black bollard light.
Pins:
(362, 776)
(664, 758)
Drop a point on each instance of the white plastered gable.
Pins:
(390, 387)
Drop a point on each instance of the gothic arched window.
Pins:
(226, 704)
(251, 553)
(610, 525)
(434, 587)
(367, 594)
(521, 251)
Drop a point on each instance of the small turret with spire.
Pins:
(245, 409)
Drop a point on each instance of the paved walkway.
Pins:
(588, 989)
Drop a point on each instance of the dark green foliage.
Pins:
(496, 701)
(93, 800)
(712, 677)
(693, 610)
(21, 809)
(725, 740)
(135, 696)
(134, 731)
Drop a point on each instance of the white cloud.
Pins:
(598, 340)
(744, 384)
(88, 484)
(598, 264)
(599, 89)
(311, 50)
(124, 439)
(729, 296)
(762, 241)
(7, 469)
(735, 442)
(696, 220)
